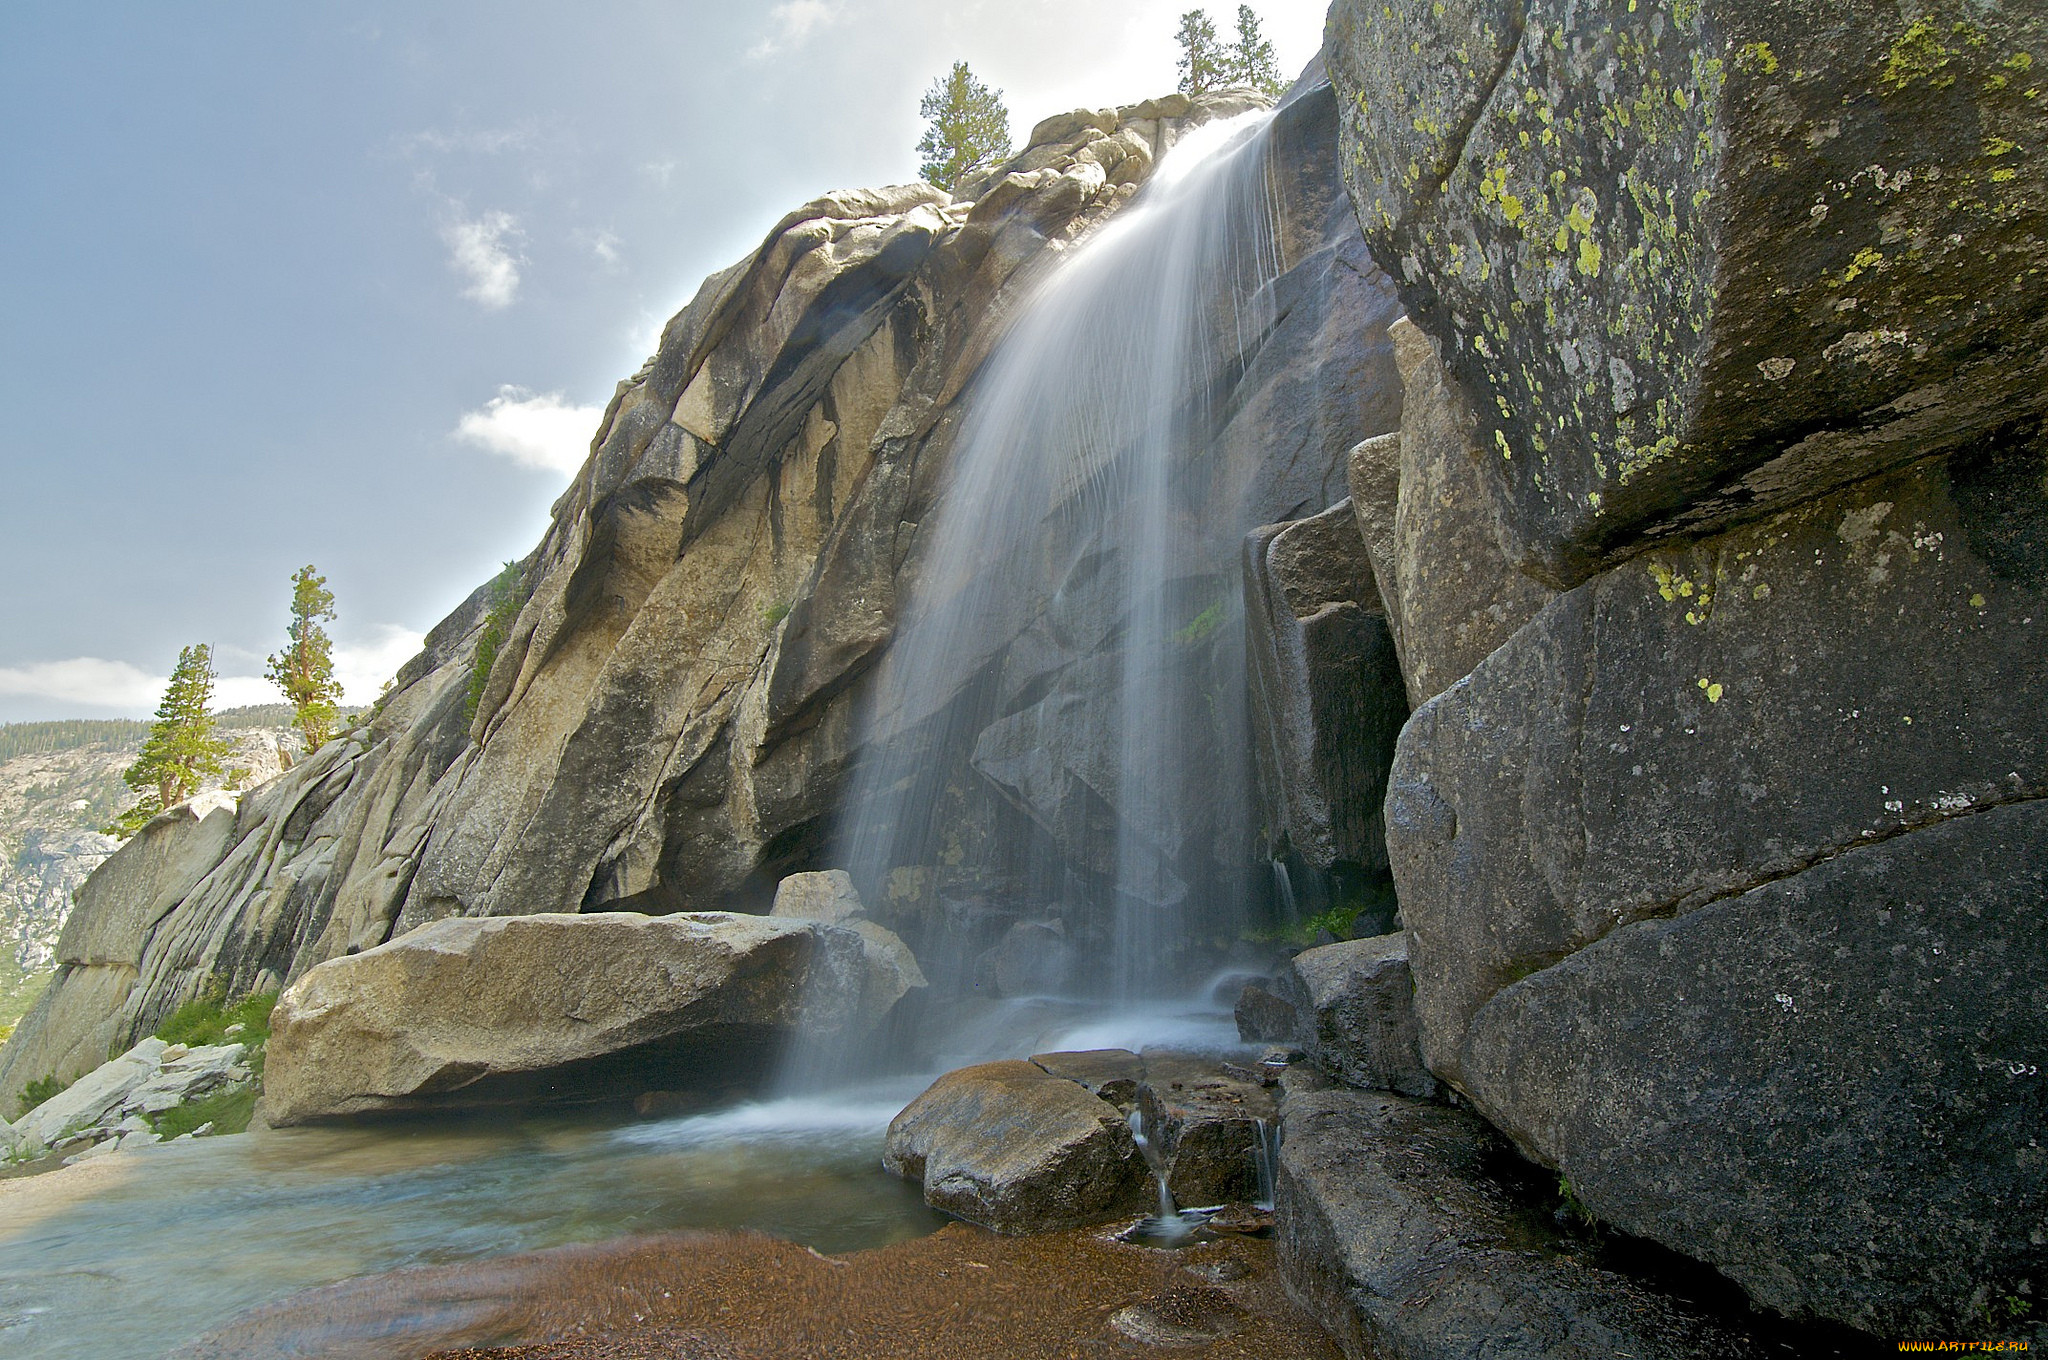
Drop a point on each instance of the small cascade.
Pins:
(1266, 1153)
(1283, 892)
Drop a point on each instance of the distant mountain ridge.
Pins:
(60, 782)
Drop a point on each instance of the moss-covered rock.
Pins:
(1696, 260)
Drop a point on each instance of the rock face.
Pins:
(1327, 697)
(80, 1018)
(1401, 1236)
(1731, 296)
(1012, 1147)
(107, 1103)
(1853, 1046)
(1426, 515)
(485, 1011)
(1354, 1008)
(1695, 263)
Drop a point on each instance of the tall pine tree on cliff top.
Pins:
(304, 670)
(970, 128)
(1250, 61)
(1202, 58)
(181, 750)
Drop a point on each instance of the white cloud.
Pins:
(535, 430)
(364, 667)
(794, 20)
(86, 681)
(602, 244)
(482, 249)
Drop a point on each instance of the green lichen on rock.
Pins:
(1669, 244)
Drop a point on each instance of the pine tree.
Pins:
(1202, 58)
(970, 128)
(304, 670)
(181, 750)
(1250, 61)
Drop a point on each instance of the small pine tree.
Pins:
(1202, 58)
(970, 128)
(181, 750)
(304, 670)
(1250, 61)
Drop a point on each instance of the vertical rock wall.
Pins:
(1722, 870)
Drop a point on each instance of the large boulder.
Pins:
(484, 1011)
(1012, 1147)
(1830, 1087)
(1326, 693)
(1840, 700)
(1354, 1003)
(1403, 1232)
(1420, 498)
(1695, 262)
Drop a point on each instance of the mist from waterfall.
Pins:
(1073, 640)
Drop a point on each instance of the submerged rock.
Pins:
(516, 1009)
(1014, 1148)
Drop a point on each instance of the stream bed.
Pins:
(129, 1256)
(134, 1254)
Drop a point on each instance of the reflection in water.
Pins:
(131, 1255)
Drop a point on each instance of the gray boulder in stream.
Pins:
(520, 1009)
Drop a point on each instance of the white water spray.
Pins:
(1075, 634)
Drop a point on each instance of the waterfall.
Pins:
(1056, 745)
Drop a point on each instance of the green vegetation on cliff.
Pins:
(970, 128)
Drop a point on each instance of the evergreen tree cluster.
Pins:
(41, 738)
(1209, 63)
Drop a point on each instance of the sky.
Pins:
(350, 285)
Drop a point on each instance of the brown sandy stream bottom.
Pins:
(958, 1294)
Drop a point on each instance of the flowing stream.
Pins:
(131, 1255)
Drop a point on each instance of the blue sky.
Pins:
(350, 284)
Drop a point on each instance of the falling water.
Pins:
(1074, 639)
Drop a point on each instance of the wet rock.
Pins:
(1032, 959)
(827, 895)
(1114, 1074)
(1862, 1035)
(1016, 1149)
(1772, 250)
(1355, 1003)
(1263, 1015)
(1207, 1128)
(1326, 692)
(483, 1011)
(1401, 1234)
(1419, 496)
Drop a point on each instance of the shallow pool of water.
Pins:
(134, 1254)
